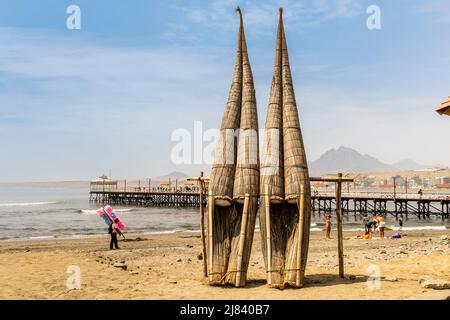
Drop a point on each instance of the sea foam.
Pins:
(25, 204)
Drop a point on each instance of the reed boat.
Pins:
(284, 206)
(234, 181)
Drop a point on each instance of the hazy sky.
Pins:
(106, 98)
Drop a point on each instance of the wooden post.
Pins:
(268, 235)
(149, 185)
(139, 185)
(339, 225)
(395, 189)
(125, 186)
(176, 185)
(242, 239)
(202, 226)
(210, 231)
(406, 184)
(301, 215)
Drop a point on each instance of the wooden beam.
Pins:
(301, 214)
(210, 231)
(339, 225)
(268, 235)
(331, 179)
(242, 238)
(202, 227)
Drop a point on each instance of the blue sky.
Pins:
(78, 103)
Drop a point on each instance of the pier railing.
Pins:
(399, 204)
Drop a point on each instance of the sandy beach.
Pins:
(168, 267)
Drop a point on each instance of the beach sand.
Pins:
(167, 267)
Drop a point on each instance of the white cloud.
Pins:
(436, 11)
(260, 16)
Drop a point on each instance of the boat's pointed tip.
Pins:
(280, 10)
(238, 9)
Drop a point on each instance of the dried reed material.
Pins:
(247, 168)
(242, 237)
(224, 164)
(236, 179)
(272, 172)
(289, 222)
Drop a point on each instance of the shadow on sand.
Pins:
(314, 280)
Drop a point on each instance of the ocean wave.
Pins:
(41, 237)
(94, 211)
(418, 228)
(26, 204)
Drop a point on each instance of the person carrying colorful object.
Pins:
(114, 230)
(115, 225)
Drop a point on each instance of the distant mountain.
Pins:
(408, 164)
(173, 175)
(347, 160)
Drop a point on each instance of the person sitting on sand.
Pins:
(328, 226)
(114, 230)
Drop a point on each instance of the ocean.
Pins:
(49, 212)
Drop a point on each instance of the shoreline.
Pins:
(167, 266)
(314, 229)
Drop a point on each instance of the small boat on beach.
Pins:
(234, 182)
(285, 198)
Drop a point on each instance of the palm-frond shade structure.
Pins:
(234, 181)
(444, 108)
(284, 206)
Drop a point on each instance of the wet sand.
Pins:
(169, 267)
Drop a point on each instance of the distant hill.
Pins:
(347, 160)
(408, 164)
(173, 175)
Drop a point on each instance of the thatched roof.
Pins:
(103, 180)
(444, 108)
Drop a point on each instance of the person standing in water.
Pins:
(328, 226)
(114, 230)
(381, 225)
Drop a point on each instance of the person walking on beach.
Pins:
(328, 226)
(400, 223)
(114, 230)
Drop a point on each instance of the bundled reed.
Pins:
(284, 211)
(234, 183)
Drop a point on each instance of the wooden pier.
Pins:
(399, 205)
(147, 199)
(356, 203)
